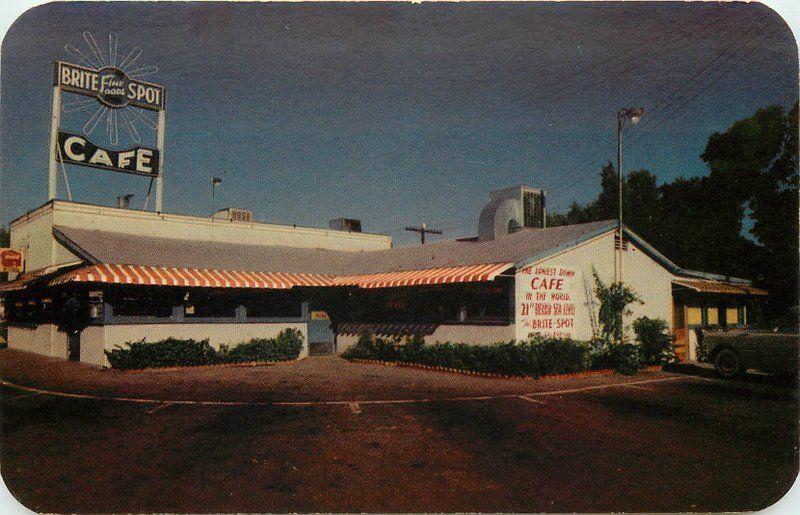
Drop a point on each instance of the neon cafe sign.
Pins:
(116, 83)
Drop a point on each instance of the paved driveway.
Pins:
(327, 435)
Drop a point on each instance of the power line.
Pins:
(668, 102)
(623, 65)
(660, 41)
(653, 110)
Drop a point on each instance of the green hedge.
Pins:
(176, 353)
(535, 357)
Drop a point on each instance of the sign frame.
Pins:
(55, 123)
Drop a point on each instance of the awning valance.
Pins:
(456, 274)
(192, 277)
(719, 287)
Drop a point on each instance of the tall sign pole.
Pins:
(55, 121)
(160, 146)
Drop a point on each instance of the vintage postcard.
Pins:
(283, 257)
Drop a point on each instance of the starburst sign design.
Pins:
(116, 111)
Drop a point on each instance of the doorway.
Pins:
(320, 336)
(74, 345)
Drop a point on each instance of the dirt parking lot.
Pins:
(326, 435)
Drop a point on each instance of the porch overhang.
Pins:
(716, 287)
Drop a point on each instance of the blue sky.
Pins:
(397, 113)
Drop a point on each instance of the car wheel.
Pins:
(727, 363)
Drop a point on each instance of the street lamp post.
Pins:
(634, 115)
(215, 181)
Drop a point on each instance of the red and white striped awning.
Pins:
(455, 274)
(213, 278)
(26, 280)
(192, 277)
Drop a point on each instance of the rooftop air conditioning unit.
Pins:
(233, 214)
(345, 224)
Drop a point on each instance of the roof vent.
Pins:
(233, 214)
(345, 224)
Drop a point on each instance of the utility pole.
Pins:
(423, 230)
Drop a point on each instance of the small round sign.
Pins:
(113, 87)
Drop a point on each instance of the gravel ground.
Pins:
(652, 442)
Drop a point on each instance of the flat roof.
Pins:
(140, 212)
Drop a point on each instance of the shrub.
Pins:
(174, 353)
(165, 353)
(627, 358)
(284, 347)
(654, 339)
(624, 358)
(535, 357)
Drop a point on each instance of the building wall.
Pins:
(33, 231)
(96, 339)
(45, 339)
(35, 238)
(456, 333)
(651, 282)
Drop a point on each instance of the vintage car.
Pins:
(773, 350)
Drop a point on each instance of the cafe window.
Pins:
(210, 304)
(712, 315)
(271, 304)
(142, 302)
(694, 315)
(732, 316)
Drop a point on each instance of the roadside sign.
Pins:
(10, 260)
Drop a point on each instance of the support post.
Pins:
(241, 313)
(619, 200)
(160, 146)
(55, 122)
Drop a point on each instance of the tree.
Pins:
(757, 159)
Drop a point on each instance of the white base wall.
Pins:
(96, 339)
(456, 333)
(472, 334)
(45, 339)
